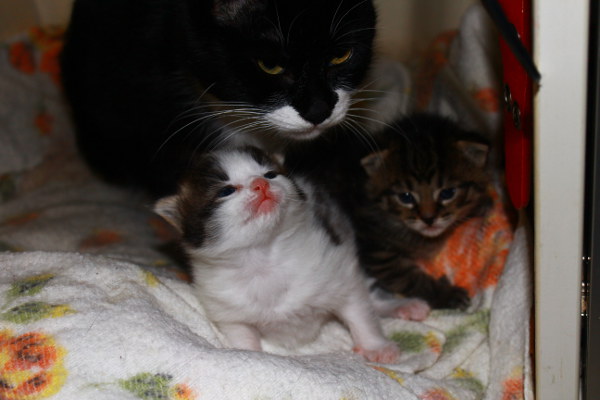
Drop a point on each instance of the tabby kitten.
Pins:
(429, 177)
(153, 84)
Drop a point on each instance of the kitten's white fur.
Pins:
(288, 121)
(278, 274)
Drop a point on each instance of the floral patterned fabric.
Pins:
(92, 307)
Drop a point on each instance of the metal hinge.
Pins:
(585, 289)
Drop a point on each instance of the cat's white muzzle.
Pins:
(288, 121)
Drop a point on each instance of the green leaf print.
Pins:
(148, 386)
(34, 311)
(476, 322)
(410, 342)
(29, 286)
(467, 380)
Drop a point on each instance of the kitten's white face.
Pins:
(254, 196)
(232, 199)
(288, 121)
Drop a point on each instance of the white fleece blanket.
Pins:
(92, 308)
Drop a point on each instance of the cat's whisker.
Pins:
(363, 134)
(333, 19)
(204, 116)
(356, 31)
(377, 121)
(337, 26)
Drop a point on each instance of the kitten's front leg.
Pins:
(369, 341)
(390, 306)
(241, 336)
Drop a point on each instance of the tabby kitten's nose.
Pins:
(428, 220)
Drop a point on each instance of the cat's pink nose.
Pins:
(259, 185)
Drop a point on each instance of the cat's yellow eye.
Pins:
(342, 59)
(271, 70)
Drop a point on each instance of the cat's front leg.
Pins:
(240, 335)
(367, 335)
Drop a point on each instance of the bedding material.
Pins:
(94, 306)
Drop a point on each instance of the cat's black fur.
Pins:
(140, 75)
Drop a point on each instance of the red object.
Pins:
(518, 111)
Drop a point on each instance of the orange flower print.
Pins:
(183, 392)
(437, 394)
(479, 246)
(433, 342)
(22, 219)
(487, 99)
(49, 63)
(43, 122)
(100, 238)
(46, 36)
(434, 59)
(21, 57)
(513, 387)
(392, 374)
(31, 366)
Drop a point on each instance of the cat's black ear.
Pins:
(373, 162)
(227, 12)
(167, 207)
(475, 152)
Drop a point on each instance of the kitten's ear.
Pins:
(373, 162)
(168, 209)
(477, 153)
(227, 12)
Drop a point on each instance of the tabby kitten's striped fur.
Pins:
(427, 178)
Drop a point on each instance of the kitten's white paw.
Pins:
(412, 309)
(386, 354)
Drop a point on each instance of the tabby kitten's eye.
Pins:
(407, 198)
(342, 59)
(226, 191)
(270, 175)
(270, 69)
(447, 194)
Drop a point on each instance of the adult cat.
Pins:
(153, 83)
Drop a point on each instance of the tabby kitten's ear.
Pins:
(475, 152)
(168, 208)
(227, 12)
(373, 162)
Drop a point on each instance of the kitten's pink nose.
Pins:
(259, 185)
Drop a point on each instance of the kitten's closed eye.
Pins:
(271, 175)
(226, 191)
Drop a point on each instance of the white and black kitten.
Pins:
(153, 83)
(272, 257)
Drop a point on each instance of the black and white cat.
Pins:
(154, 83)
(273, 257)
